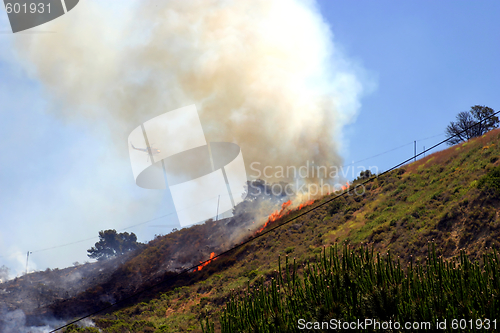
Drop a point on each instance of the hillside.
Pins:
(450, 198)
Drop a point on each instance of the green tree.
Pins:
(111, 244)
(364, 175)
(464, 129)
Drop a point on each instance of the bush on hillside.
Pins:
(491, 181)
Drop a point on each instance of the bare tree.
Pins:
(469, 125)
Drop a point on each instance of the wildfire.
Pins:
(212, 255)
(305, 204)
(343, 188)
(276, 215)
(346, 186)
(283, 211)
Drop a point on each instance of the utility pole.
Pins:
(217, 216)
(414, 151)
(424, 151)
(27, 258)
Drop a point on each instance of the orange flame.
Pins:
(343, 188)
(212, 255)
(282, 212)
(305, 204)
(346, 186)
(276, 215)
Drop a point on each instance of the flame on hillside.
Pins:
(286, 209)
(276, 215)
(346, 187)
(212, 255)
(305, 204)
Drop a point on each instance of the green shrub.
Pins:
(336, 206)
(400, 188)
(75, 329)
(252, 274)
(491, 180)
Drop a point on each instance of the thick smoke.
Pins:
(263, 74)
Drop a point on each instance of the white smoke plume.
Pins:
(263, 74)
(15, 322)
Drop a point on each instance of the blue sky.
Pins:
(431, 60)
(425, 61)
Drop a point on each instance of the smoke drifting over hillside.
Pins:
(263, 74)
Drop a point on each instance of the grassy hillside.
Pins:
(450, 198)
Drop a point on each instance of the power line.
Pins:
(268, 231)
(430, 137)
(62, 245)
(95, 237)
(391, 150)
(129, 227)
(171, 213)
(385, 152)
